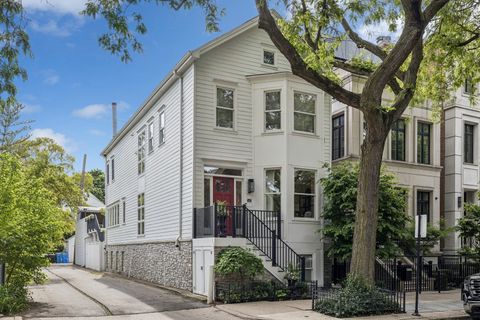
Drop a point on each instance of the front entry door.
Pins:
(223, 191)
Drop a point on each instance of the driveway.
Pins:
(75, 292)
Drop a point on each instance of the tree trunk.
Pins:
(365, 233)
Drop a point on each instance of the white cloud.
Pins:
(58, 6)
(58, 137)
(51, 27)
(371, 32)
(92, 111)
(50, 77)
(31, 108)
(96, 132)
(98, 110)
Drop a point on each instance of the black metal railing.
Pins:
(94, 226)
(261, 227)
(224, 220)
(267, 241)
(395, 299)
(439, 273)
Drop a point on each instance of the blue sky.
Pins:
(72, 81)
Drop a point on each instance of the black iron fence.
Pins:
(394, 301)
(227, 292)
(439, 273)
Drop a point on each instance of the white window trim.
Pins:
(150, 136)
(112, 169)
(306, 113)
(141, 220)
(307, 194)
(269, 48)
(265, 130)
(107, 172)
(161, 129)
(234, 109)
(139, 149)
(113, 215)
(265, 193)
(124, 211)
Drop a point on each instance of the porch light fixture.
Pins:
(251, 186)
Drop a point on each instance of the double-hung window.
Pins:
(308, 267)
(150, 137)
(272, 190)
(304, 193)
(338, 137)
(141, 214)
(161, 127)
(398, 140)
(423, 203)
(225, 107)
(269, 57)
(273, 113)
(304, 112)
(113, 214)
(468, 86)
(423, 142)
(113, 169)
(107, 169)
(468, 144)
(141, 152)
(124, 211)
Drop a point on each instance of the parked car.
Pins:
(471, 295)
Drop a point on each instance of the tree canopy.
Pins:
(469, 230)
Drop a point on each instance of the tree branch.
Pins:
(299, 67)
(362, 43)
(432, 9)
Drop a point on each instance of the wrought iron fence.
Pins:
(439, 273)
(394, 300)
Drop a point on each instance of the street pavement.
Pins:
(75, 292)
(80, 294)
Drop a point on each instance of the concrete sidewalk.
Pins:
(445, 305)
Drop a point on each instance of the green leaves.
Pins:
(31, 224)
(469, 228)
(236, 262)
(125, 27)
(340, 189)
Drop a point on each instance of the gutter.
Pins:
(180, 197)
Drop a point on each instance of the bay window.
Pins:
(304, 112)
(304, 194)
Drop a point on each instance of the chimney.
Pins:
(384, 41)
(82, 177)
(114, 119)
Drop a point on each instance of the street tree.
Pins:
(436, 51)
(98, 188)
(468, 228)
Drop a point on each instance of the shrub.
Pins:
(356, 298)
(13, 298)
(237, 263)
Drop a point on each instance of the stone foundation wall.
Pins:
(158, 262)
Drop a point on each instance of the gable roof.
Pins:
(185, 62)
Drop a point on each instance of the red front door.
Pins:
(223, 191)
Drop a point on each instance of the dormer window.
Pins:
(269, 57)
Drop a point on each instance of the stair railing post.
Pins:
(302, 269)
(279, 225)
(244, 224)
(274, 248)
(215, 229)
(234, 221)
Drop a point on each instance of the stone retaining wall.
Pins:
(158, 262)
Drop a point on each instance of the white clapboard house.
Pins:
(227, 150)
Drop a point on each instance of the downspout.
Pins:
(180, 197)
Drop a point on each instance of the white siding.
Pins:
(228, 65)
(161, 181)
